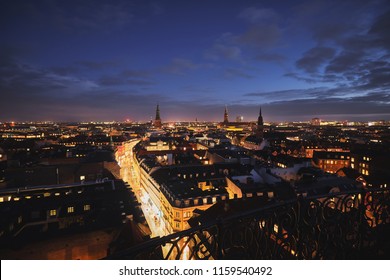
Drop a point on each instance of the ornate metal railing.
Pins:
(351, 225)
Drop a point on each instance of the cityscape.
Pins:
(99, 190)
(194, 130)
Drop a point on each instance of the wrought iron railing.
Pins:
(350, 225)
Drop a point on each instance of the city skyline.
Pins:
(116, 60)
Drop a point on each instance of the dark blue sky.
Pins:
(115, 60)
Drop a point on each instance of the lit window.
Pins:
(82, 178)
(186, 214)
(70, 209)
(53, 212)
(87, 207)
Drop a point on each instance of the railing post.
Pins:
(299, 202)
(219, 240)
(362, 209)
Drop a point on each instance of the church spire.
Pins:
(157, 121)
(260, 126)
(158, 112)
(225, 116)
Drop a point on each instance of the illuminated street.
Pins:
(128, 173)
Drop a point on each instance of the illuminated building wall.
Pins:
(331, 162)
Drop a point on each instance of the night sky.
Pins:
(115, 60)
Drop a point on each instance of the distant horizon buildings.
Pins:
(157, 121)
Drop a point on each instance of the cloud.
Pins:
(119, 80)
(271, 57)
(97, 65)
(380, 29)
(79, 17)
(354, 107)
(291, 94)
(128, 77)
(256, 15)
(91, 15)
(237, 73)
(80, 66)
(260, 36)
(30, 79)
(314, 58)
(220, 51)
(345, 62)
(180, 66)
(359, 57)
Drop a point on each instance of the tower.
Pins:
(226, 116)
(260, 127)
(157, 121)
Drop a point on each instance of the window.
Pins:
(87, 207)
(186, 214)
(82, 178)
(53, 212)
(177, 214)
(177, 224)
(70, 209)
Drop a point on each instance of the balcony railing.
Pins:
(351, 225)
